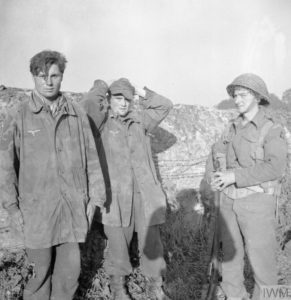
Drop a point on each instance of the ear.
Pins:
(33, 78)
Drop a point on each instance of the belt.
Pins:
(236, 193)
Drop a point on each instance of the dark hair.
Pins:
(43, 60)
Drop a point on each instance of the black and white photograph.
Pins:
(145, 150)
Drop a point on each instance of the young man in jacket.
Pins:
(135, 200)
(255, 157)
(50, 179)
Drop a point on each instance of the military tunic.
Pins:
(247, 207)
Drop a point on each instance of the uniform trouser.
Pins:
(53, 282)
(117, 259)
(248, 223)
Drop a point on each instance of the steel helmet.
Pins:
(252, 82)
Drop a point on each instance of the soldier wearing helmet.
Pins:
(256, 155)
(252, 83)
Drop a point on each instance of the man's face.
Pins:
(48, 85)
(245, 100)
(119, 105)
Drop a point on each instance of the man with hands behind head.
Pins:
(135, 200)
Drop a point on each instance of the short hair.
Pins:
(43, 60)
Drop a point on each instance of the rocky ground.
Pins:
(180, 146)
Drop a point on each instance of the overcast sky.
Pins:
(187, 50)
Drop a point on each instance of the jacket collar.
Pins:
(37, 104)
(258, 119)
(130, 117)
(67, 106)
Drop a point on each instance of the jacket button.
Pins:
(61, 172)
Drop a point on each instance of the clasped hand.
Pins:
(221, 180)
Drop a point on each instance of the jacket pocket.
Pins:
(245, 147)
(256, 150)
(251, 136)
